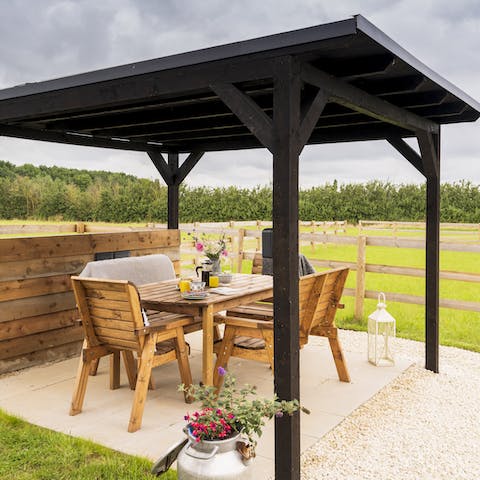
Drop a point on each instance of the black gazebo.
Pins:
(338, 82)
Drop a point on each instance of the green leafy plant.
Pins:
(233, 410)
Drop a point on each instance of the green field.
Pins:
(28, 452)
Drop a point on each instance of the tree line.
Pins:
(42, 193)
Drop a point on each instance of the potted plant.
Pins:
(223, 433)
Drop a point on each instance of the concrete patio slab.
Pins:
(41, 395)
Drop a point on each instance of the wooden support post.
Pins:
(360, 286)
(173, 192)
(240, 246)
(430, 150)
(286, 117)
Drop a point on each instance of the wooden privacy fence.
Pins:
(238, 236)
(37, 307)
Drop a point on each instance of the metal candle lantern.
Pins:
(381, 332)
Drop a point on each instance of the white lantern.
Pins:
(381, 332)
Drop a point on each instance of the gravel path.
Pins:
(423, 426)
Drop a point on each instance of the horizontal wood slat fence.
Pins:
(38, 316)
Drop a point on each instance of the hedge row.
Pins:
(28, 192)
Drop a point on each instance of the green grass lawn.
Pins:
(28, 452)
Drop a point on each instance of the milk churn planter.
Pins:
(222, 434)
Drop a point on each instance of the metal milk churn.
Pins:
(213, 460)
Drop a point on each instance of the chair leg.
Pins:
(339, 360)
(181, 349)
(94, 367)
(115, 370)
(268, 337)
(130, 367)
(80, 384)
(216, 333)
(141, 389)
(223, 356)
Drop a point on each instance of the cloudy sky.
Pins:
(51, 38)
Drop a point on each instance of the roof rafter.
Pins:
(356, 99)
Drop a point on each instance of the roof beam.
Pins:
(356, 67)
(76, 139)
(390, 86)
(250, 114)
(356, 99)
(121, 92)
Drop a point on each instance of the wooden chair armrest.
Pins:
(245, 322)
(166, 321)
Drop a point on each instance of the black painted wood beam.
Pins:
(124, 91)
(162, 166)
(310, 114)
(173, 193)
(408, 152)
(286, 120)
(430, 151)
(359, 100)
(245, 108)
(187, 166)
(390, 86)
(75, 139)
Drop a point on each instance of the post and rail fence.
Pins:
(244, 241)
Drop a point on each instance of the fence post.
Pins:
(80, 227)
(241, 237)
(312, 243)
(360, 287)
(259, 239)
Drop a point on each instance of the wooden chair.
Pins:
(113, 322)
(249, 329)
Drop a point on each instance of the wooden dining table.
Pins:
(165, 296)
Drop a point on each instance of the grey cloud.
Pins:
(51, 38)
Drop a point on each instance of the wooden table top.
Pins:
(166, 294)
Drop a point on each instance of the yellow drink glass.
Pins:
(214, 281)
(184, 285)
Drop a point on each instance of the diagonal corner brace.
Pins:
(162, 166)
(247, 111)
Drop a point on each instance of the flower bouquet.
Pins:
(212, 249)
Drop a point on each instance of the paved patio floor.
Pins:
(41, 395)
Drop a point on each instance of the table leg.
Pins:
(207, 324)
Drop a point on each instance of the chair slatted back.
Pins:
(319, 296)
(110, 312)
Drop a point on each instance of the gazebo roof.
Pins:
(173, 103)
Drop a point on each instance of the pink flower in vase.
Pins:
(199, 247)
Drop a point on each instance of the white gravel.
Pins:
(423, 426)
